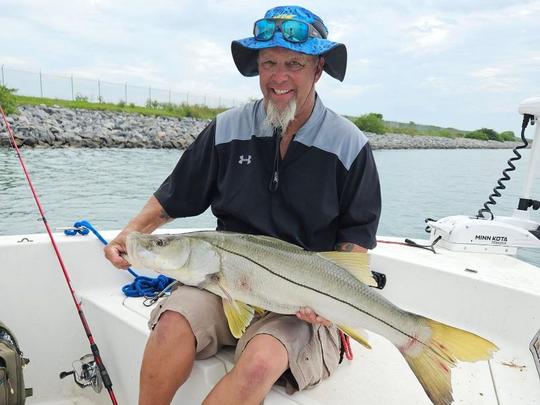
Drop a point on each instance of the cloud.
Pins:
(121, 73)
(503, 78)
(206, 57)
(359, 63)
(14, 62)
(346, 91)
(341, 29)
(426, 34)
(486, 73)
(447, 28)
(442, 85)
(403, 56)
(489, 79)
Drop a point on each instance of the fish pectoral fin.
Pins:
(355, 263)
(239, 316)
(356, 335)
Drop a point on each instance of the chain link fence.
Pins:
(38, 84)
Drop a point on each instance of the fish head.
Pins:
(190, 260)
(157, 252)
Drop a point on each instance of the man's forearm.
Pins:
(151, 217)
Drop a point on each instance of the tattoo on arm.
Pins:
(350, 247)
(164, 215)
(345, 247)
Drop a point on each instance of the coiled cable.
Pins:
(505, 176)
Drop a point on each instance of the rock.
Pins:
(39, 126)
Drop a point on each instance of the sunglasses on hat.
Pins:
(292, 30)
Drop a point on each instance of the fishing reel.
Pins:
(85, 373)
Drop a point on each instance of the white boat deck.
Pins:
(496, 297)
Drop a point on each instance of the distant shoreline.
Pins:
(403, 141)
(43, 126)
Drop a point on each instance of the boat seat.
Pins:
(380, 375)
(120, 326)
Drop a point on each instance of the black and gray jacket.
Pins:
(325, 191)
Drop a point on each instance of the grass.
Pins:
(152, 109)
(411, 130)
(203, 112)
(367, 123)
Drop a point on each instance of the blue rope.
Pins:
(142, 286)
(147, 286)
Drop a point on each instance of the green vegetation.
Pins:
(491, 134)
(8, 100)
(508, 136)
(482, 136)
(373, 122)
(487, 134)
(411, 128)
(151, 108)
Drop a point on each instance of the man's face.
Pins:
(285, 75)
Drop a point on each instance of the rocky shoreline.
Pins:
(56, 127)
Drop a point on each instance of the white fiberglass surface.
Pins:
(499, 306)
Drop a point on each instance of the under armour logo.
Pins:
(246, 160)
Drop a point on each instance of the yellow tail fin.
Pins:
(444, 348)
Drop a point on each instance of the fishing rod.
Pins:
(93, 346)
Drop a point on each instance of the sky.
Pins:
(464, 64)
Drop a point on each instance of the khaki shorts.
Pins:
(313, 350)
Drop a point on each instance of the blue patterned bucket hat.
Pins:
(245, 50)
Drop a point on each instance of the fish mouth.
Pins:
(132, 243)
(138, 253)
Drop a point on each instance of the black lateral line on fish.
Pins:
(330, 296)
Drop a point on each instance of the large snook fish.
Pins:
(250, 271)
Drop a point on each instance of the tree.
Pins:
(7, 100)
(491, 134)
(372, 122)
(477, 135)
(507, 136)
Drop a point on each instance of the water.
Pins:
(109, 186)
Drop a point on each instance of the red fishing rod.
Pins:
(93, 346)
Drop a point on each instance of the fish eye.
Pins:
(160, 242)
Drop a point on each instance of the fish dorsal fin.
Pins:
(355, 263)
(239, 316)
(356, 334)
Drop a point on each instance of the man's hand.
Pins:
(308, 315)
(115, 249)
(150, 218)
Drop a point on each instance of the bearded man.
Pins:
(284, 166)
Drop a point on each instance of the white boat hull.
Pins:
(495, 296)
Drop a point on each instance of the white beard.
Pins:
(279, 119)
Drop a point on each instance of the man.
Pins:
(284, 166)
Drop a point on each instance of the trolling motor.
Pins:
(486, 232)
(85, 373)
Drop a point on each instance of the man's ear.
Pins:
(319, 68)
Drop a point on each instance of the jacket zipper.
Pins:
(274, 181)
